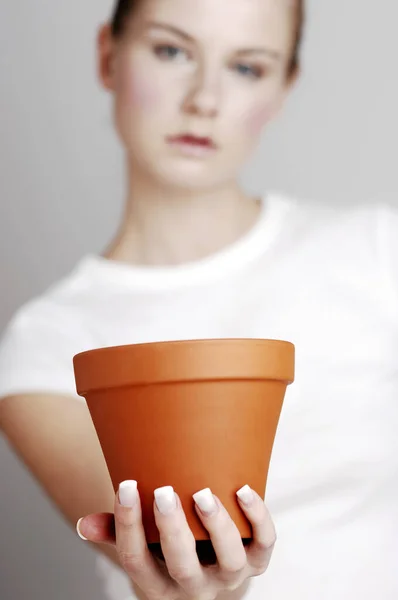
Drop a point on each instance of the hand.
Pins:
(181, 576)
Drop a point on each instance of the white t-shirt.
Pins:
(325, 279)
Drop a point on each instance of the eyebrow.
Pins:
(274, 54)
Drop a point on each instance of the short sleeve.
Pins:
(36, 351)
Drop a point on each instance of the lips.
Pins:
(193, 140)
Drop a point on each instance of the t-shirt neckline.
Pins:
(213, 267)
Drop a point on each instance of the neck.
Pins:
(163, 226)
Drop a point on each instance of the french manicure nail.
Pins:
(128, 493)
(78, 530)
(245, 495)
(205, 501)
(165, 499)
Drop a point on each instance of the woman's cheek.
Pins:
(139, 90)
(258, 117)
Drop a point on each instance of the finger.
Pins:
(177, 542)
(97, 528)
(260, 549)
(132, 547)
(225, 537)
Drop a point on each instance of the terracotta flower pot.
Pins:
(191, 414)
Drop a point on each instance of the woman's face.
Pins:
(212, 69)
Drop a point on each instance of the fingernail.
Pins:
(165, 499)
(128, 493)
(205, 500)
(245, 495)
(78, 530)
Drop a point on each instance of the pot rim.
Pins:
(184, 360)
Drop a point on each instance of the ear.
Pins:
(106, 57)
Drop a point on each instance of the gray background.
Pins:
(60, 164)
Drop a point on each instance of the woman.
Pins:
(194, 84)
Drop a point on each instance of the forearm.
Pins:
(55, 438)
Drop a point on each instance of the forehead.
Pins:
(236, 23)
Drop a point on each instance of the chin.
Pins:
(189, 175)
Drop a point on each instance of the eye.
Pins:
(169, 52)
(249, 71)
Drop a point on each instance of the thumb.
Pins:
(97, 528)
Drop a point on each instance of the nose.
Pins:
(203, 98)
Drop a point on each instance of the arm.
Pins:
(55, 438)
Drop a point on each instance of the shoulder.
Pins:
(58, 306)
(39, 342)
(319, 211)
(368, 224)
(353, 242)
